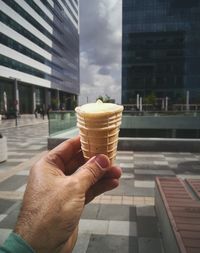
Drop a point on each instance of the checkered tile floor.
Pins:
(122, 220)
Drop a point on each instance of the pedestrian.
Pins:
(36, 112)
(60, 184)
(48, 110)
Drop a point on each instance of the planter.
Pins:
(3, 149)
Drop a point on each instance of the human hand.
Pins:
(58, 187)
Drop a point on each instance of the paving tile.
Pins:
(148, 158)
(125, 153)
(10, 220)
(5, 204)
(124, 228)
(4, 233)
(19, 160)
(93, 226)
(23, 173)
(144, 184)
(110, 244)
(160, 162)
(13, 183)
(183, 176)
(126, 165)
(145, 210)
(150, 166)
(143, 162)
(144, 192)
(82, 243)
(148, 154)
(126, 158)
(90, 211)
(147, 226)
(127, 200)
(116, 212)
(125, 188)
(22, 188)
(8, 164)
(154, 172)
(127, 175)
(2, 216)
(150, 245)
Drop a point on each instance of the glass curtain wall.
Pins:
(161, 50)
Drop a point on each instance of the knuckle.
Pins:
(92, 172)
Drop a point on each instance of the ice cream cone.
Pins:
(99, 125)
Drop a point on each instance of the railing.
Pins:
(60, 121)
(139, 124)
(193, 113)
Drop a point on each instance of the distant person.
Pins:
(59, 186)
(36, 112)
(42, 112)
(48, 110)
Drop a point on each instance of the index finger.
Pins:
(63, 153)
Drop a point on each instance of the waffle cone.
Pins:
(99, 135)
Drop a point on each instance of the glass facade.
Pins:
(161, 50)
(39, 46)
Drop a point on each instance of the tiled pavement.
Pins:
(24, 120)
(122, 220)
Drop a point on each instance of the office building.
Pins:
(39, 54)
(161, 50)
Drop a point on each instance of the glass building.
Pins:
(39, 54)
(161, 50)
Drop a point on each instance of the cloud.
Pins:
(100, 47)
(104, 71)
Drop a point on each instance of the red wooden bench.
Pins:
(178, 209)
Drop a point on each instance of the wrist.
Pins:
(15, 243)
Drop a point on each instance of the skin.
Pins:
(59, 186)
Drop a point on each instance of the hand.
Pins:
(58, 187)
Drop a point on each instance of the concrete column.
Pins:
(166, 104)
(34, 98)
(16, 96)
(163, 103)
(47, 98)
(187, 100)
(138, 101)
(140, 104)
(58, 98)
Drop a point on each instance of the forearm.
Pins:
(15, 244)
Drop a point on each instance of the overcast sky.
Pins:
(100, 49)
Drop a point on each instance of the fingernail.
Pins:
(102, 161)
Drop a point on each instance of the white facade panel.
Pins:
(24, 41)
(6, 51)
(14, 15)
(36, 16)
(44, 8)
(23, 77)
(68, 14)
(51, 3)
(72, 9)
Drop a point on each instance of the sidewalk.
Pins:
(122, 220)
(23, 120)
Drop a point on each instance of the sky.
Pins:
(100, 49)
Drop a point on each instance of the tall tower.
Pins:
(39, 53)
(161, 50)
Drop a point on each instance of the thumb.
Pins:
(92, 171)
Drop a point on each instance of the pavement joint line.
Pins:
(22, 166)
